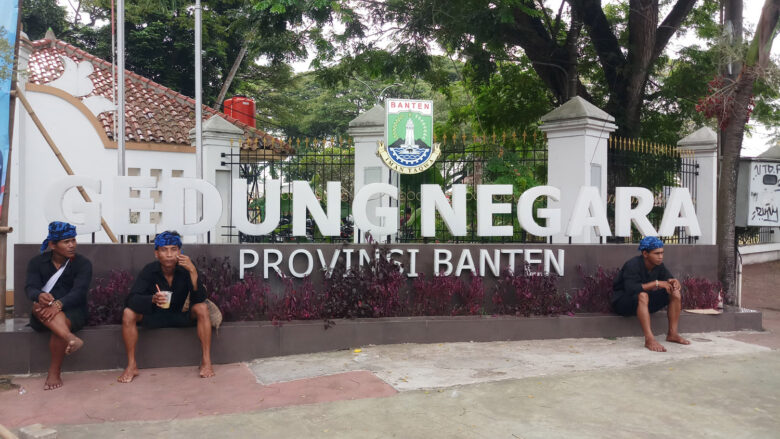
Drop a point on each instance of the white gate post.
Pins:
(577, 136)
(367, 130)
(218, 137)
(704, 145)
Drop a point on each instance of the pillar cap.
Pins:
(217, 125)
(771, 153)
(372, 117)
(703, 138)
(576, 108)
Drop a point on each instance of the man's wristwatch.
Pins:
(656, 284)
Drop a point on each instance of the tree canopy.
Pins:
(489, 65)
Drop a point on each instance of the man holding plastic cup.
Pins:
(158, 297)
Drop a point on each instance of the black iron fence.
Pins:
(654, 166)
(510, 158)
(315, 161)
(754, 235)
(517, 159)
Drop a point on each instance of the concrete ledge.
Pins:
(759, 253)
(25, 351)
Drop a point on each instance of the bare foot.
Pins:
(677, 339)
(206, 371)
(74, 344)
(654, 346)
(53, 381)
(128, 375)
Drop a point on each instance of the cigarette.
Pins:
(51, 303)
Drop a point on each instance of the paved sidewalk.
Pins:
(722, 397)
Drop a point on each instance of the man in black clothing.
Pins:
(644, 286)
(57, 283)
(147, 304)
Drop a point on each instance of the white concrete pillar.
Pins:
(704, 145)
(219, 136)
(13, 200)
(577, 136)
(367, 130)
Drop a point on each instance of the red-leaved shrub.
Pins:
(106, 300)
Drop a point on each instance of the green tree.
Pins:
(40, 15)
(731, 103)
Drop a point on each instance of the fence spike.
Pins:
(535, 136)
(473, 138)
(503, 137)
(514, 135)
(463, 137)
(494, 137)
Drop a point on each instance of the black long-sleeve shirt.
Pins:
(151, 276)
(633, 274)
(72, 286)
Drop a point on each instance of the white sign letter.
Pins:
(242, 265)
(56, 194)
(123, 204)
(588, 211)
(486, 209)
(624, 214)
(271, 221)
(304, 199)
(525, 206)
(386, 215)
(679, 212)
(174, 205)
(432, 200)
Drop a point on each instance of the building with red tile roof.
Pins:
(153, 113)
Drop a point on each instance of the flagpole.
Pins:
(119, 135)
(198, 109)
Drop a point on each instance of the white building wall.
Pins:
(35, 169)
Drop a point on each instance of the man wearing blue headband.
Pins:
(644, 286)
(150, 304)
(57, 283)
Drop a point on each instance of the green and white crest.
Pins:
(408, 147)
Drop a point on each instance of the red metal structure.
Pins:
(241, 108)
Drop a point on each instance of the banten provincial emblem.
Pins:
(408, 146)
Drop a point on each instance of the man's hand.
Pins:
(159, 299)
(675, 284)
(45, 313)
(187, 264)
(666, 285)
(45, 299)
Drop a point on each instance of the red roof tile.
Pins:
(153, 113)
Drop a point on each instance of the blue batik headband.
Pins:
(167, 238)
(57, 232)
(650, 243)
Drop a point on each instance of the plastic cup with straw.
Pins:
(168, 295)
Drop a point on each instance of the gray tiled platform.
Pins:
(23, 351)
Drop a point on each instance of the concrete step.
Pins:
(25, 351)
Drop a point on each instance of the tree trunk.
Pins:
(727, 190)
(755, 61)
(230, 76)
(732, 23)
